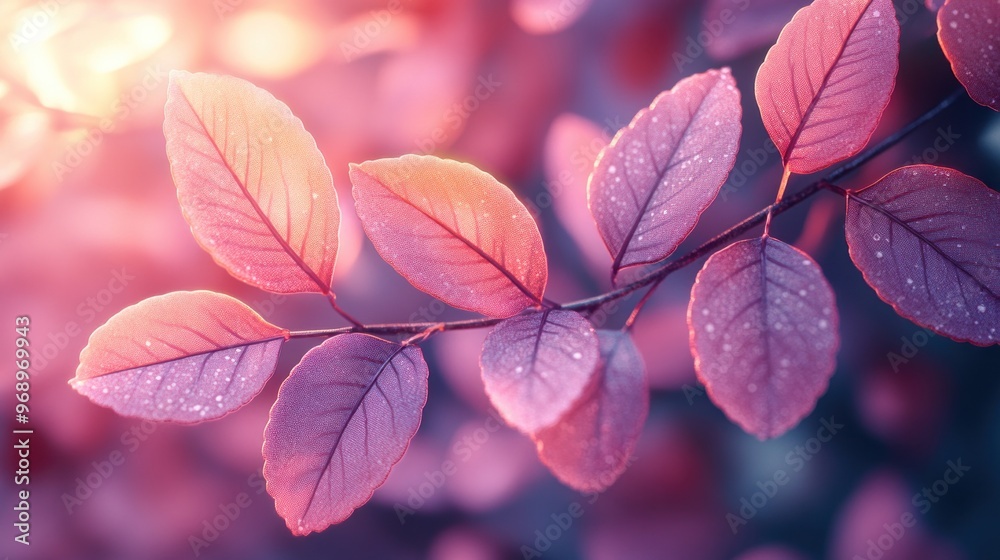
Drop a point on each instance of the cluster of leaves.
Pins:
(762, 318)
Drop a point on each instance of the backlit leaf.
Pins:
(926, 239)
(590, 447)
(651, 184)
(823, 86)
(453, 231)
(343, 418)
(969, 33)
(183, 356)
(251, 183)
(536, 365)
(763, 325)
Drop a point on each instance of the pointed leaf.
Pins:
(536, 365)
(183, 356)
(823, 86)
(453, 231)
(969, 33)
(343, 418)
(926, 239)
(589, 448)
(651, 184)
(251, 183)
(763, 325)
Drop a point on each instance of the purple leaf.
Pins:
(343, 418)
(763, 325)
(651, 184)
(184, 356)
(823, 86)
(926, 239)
(589, 448)
(969, 33)
(535, 366)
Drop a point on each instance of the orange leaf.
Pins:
(453, 231)
(251, 183)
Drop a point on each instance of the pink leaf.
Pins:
(343, 418)
(969, 33)
(823, 86)
(589, 448)
(763, 325)
(547, 16)
(536, 365)
(651, 184)
(925, 238)
(251, 183)
(453, 231)
(571, 146)
(183, 356)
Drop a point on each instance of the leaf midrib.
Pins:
(826, 79)
(299, 261)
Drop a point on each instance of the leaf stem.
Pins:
(350, 319)
(781, 192)
(655, 276)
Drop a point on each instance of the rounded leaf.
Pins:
(590, 447)
(969, 33)
(343, 418)
(763, 325)
(926, 239)
(823, 86)
(183, 356)
(453, 231)
(251, 183)
(537, 365)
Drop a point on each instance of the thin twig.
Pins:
(657, 275)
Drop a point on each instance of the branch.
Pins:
(658, 274)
